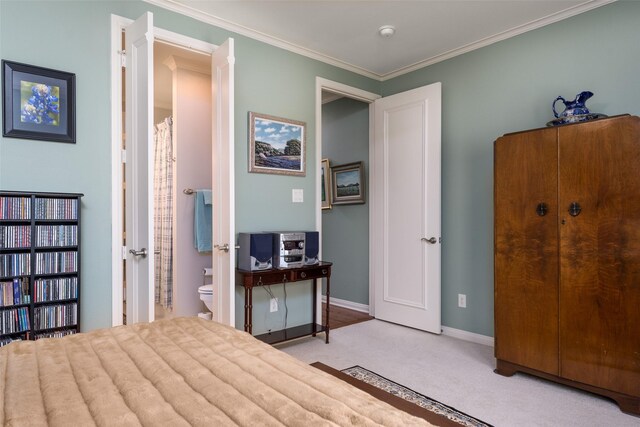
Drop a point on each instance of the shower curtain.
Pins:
(163, 212)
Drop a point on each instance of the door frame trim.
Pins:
(118, 23)
(364, 96)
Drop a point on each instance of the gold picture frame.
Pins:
(276, 145)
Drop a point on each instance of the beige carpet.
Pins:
(459, 373)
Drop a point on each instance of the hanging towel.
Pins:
(202, 221)
(208, 196)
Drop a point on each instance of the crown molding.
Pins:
(191, 12)
(259, 36)
(176, 62)
(533, 25)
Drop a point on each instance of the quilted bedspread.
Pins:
(177, 372)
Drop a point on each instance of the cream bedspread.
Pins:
(178, 372)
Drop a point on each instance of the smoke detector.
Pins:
(387, 31)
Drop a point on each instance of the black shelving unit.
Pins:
(39, 265)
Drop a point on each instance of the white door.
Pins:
(224, 255)
(139, 170)
(406, 208)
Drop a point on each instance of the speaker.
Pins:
(311, 248)
(256, 251)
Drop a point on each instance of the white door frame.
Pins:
(369, 98)
(223, 182)
(118, 254)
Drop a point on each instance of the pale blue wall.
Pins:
(506, 87)
(501, 88)
(345, 228)
(74, 36)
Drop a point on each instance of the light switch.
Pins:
(297, 195)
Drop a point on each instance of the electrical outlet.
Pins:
(274, 305)
(462, 301)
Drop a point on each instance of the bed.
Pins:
(184, 371)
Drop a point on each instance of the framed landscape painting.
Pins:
(276, 145)
(38, 103)
(348, 184)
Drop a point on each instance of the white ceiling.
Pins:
(345, 33)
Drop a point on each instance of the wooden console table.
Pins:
(249, 279)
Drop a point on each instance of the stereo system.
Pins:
(256, 251)
(311, 248)
(284, 249)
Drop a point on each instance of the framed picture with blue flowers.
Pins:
(38, 103)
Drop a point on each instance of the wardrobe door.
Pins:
(600, 253)
(526, 251)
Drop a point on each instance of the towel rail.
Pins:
(188, 191)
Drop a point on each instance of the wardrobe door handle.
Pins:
(542, 209)
(575, 209)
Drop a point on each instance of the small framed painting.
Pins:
(276, 145)
(348, 184)
(38, 103)
(325, 184)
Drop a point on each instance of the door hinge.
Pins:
(123, 156)
(124, 252)
(123, 59)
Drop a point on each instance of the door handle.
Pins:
(224, 247)
(142, 252)
(432, 240)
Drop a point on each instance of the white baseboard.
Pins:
(468, 336)
(356, 306)
(451, 332)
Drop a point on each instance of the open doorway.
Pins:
(133, 253)
(327, 92)
(182, 183)
(182, 179)
(345, 226)
(404, 193)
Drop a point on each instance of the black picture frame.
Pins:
(38, 103)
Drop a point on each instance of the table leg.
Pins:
(248, 308)
(313, 308)
(326, 326)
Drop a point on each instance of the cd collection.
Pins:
(56, 235)
(15, 207)
(61, 288)
(14, 320)
(54, 316)
(15, 265)
(14, 292)
(56, 208)
(56, 262)
(15, 236)
(39, 265)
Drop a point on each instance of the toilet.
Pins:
(206, 293)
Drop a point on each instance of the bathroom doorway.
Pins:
(182, 168)
(203, 150)
(182, 174)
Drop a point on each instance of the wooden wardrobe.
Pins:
(567, 256)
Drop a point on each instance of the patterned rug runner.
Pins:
(421, 400)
